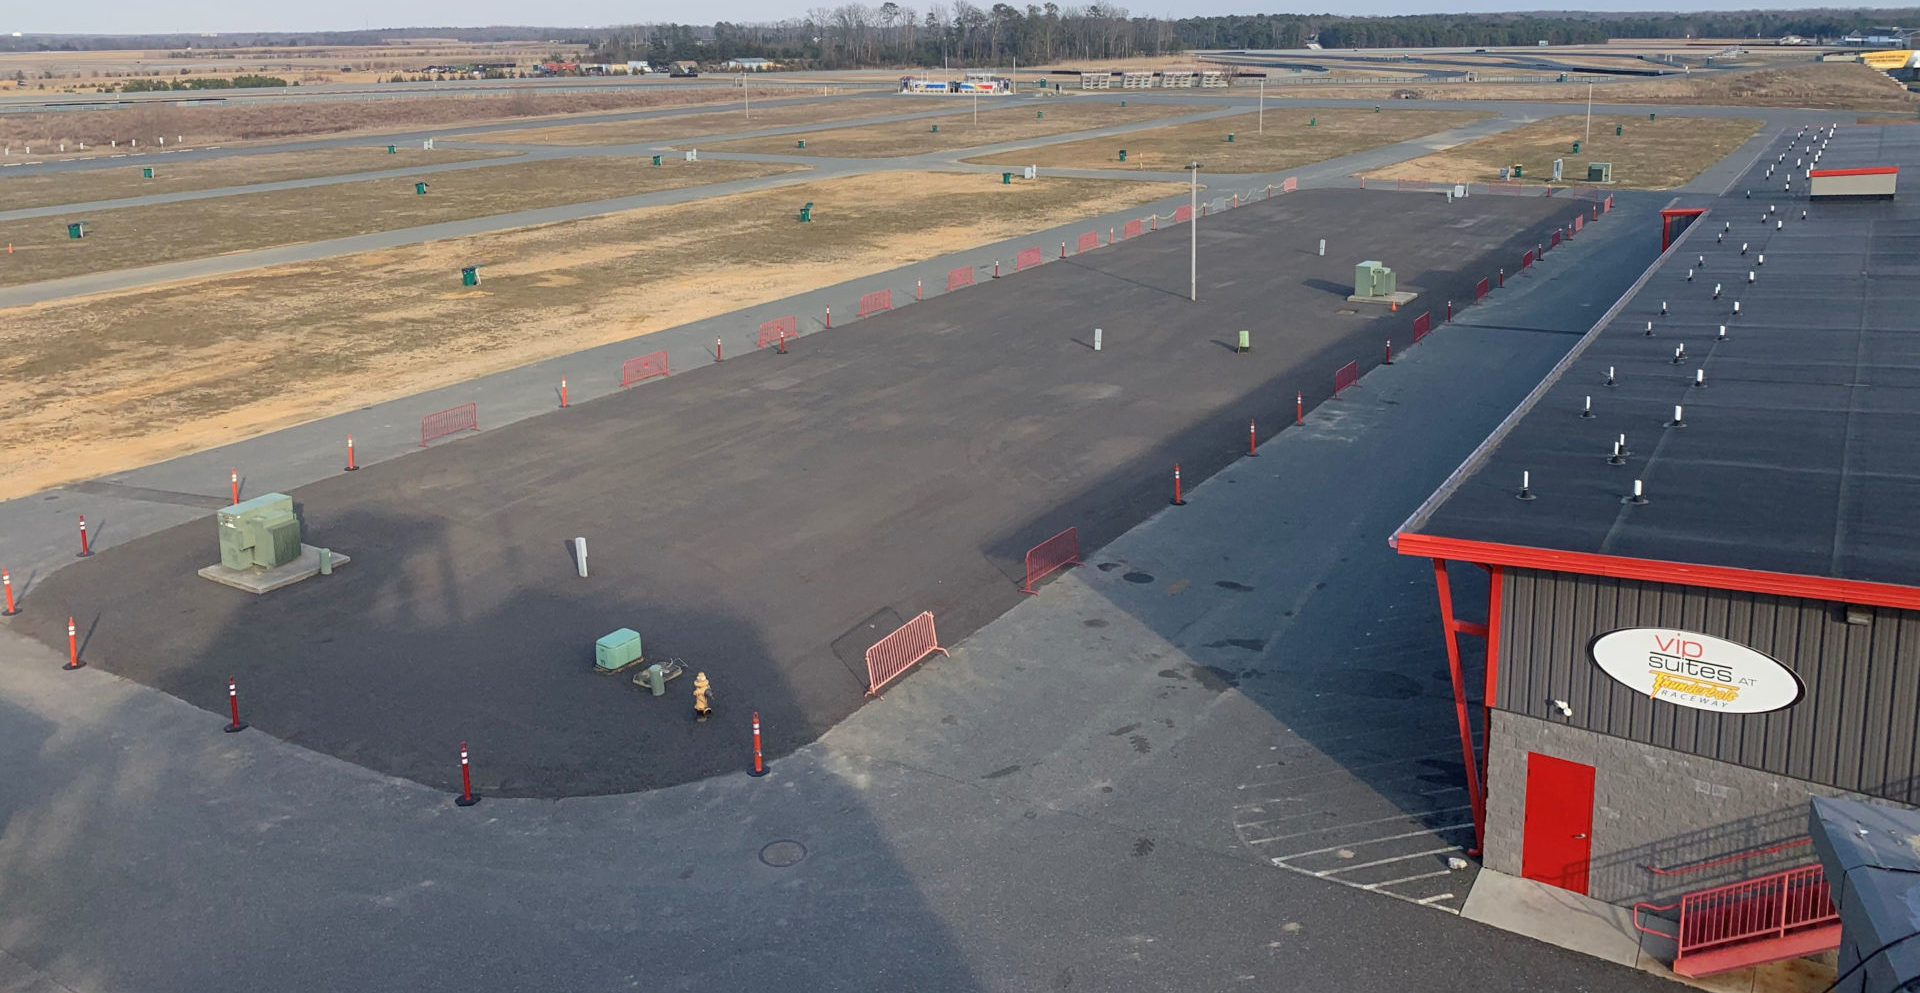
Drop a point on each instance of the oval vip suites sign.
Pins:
(1696, 670)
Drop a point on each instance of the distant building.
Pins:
(748, 65)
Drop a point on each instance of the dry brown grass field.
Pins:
(165, 370)
(173, 176)
(137, 236)
(1026, 118)
(732, 120)
(1649, 155)
(255, 121)
(83, 71)
(1288, 141)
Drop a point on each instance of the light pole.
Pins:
(1262, 129)
(1589, 143)
(746, 96)
(1193, 239)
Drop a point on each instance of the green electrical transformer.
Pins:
(260, 532)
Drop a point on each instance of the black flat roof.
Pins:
(1802, 452)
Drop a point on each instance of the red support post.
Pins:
(233, 707)
(1253, 440)
(466, 797)
(563, 391)
(996, 268)
(759, 765)
(350, 466)
(1503, 276)
(73, 647)
(1177, 501)
(6, 580)
(1063, 249)
(783, 344)
(1449, 310)
(1476, 799)
(85, 549)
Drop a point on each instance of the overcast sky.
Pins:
(148, 17)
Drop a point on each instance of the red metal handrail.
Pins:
(1755, 853)
(1771, 906)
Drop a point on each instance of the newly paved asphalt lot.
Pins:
(770, 518)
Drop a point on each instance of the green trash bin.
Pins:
(802, 143)
(1576, 148)
(470, 275)
(77, 229)
(1652, 116)
(1006, 179)
(806, 212)
(616, 651)
(1123, 155)
(393, 150)
(1229, 137)
(1516, 170)
(936, 129)
(146, 172)
(656, 160)
(1039, 114)
(1376, 108)
(420, 189)
(1123, 103)
(1312, 121)
(1619, 129)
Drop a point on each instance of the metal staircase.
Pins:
(1781, 915)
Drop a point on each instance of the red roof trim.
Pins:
(1652, 570)
(1877, 171)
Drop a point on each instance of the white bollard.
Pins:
(580, 555)
(1096, 339)
(1323, 246)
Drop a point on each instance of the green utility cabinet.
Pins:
(260, 532)
(1599, 172)
(1372, 279)
(616, 651)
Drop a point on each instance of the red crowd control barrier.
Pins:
(1027, 257)
(1527, 259)
(1289, 184)
(1480, 289)
(875, 302)
(1057, 552)
(1182, 214)
(772, 332)
(957, 278)
(894, 654)
(1132, 230)
(645, 367)
(1345, 376)
(1554, 242)
(453, 420)
(1419, 185)
(1579, 221)
(1422, 325)
(1607, 205)
(1088, 242)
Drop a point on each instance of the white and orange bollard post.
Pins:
(1299, 408)
(563, 391)
(73, 647)
(717, 356)
(350, 466)
(85, 548)
(233, 476)
(234, 724)
(466, 797)
(6, 580)
(759, 764)
(1253, 440)
(1178, 500)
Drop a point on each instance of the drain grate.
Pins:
(781, 854)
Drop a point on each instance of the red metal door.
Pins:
(1559, 817)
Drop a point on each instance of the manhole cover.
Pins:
(781, 854)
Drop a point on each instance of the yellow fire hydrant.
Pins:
(702, 697)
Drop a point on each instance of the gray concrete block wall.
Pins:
(1651, 807)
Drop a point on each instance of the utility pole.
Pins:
(1193, 240)
(746, 95)
(1262, 129)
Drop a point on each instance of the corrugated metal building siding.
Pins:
(1855, 728)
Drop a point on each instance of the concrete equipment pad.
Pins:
(306, 566)
(768, 518)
